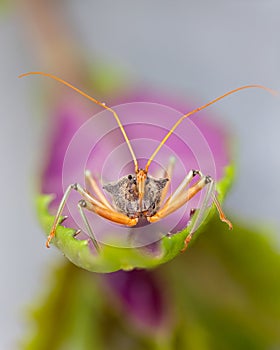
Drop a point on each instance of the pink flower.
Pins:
(139, 293)
(77, 143)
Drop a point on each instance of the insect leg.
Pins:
(168, 173)
(179, 200)
(58, 214)
(111, 215)
(90, 180)
(197, 221)
(81, 205)
(83, 192)
(199, 217)
(222, 215)
(181, 188)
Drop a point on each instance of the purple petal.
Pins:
(140, 296)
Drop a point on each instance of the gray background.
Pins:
(198, 49)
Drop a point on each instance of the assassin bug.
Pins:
(140, 196)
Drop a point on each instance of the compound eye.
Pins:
(129, 177)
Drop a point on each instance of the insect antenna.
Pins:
(179, 121)
(101, 104)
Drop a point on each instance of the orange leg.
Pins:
(198, 219)
(176, 202)
(92, 204)
(90, 180)
(201, 213)
(180, 190)
(221, 213)
(168, 173)
(181, 197)
(111, 215)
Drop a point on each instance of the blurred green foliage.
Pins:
(6, 6)
(223, 293)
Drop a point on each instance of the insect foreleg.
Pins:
(111, 215)
(182, 187)
(179, 200)
(84, 193)
(168, 173)
(90, 180)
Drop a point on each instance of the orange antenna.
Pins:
(199, 109)
(101, 104)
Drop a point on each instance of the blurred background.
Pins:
(194, 49)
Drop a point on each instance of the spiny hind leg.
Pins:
(201, 213)
(198, 219)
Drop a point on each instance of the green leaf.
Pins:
(224, 294)
(76, 313)
(114, 258)
(5, 6)
(107, 79)
(58, 321)
(227, 290)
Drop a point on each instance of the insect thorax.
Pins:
(125, 195)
